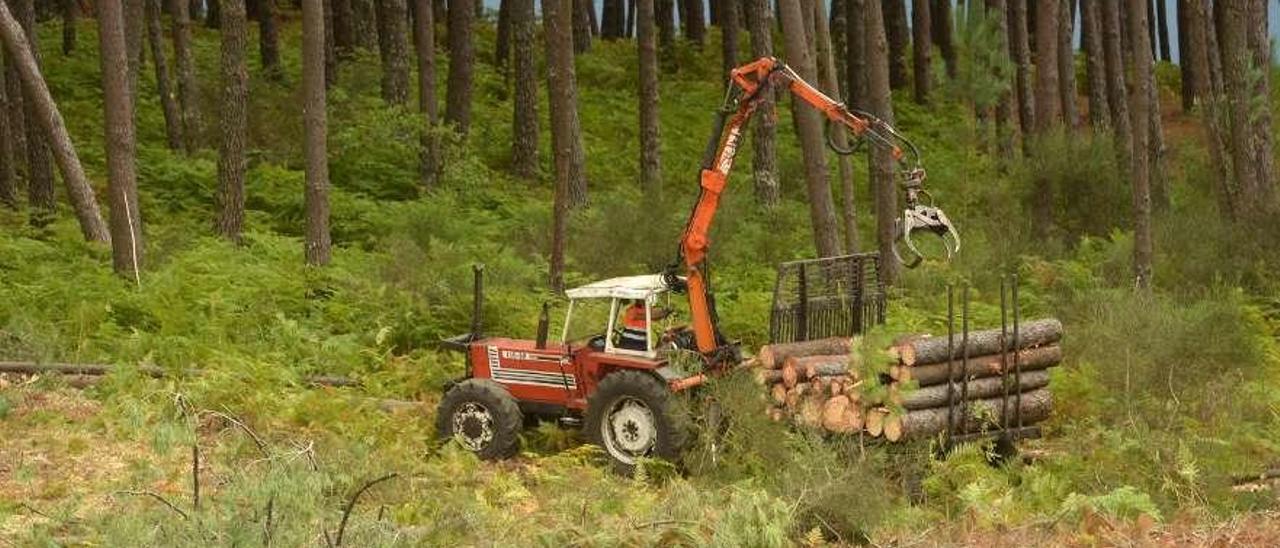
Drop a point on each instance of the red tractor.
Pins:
(625, 398)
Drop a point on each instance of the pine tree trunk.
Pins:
(1048, 107)
(344, 35)
(502, 43)
(942, 23)
(1262, 150)
(233, 118)
(895, 20)
(15, 112)
(122, 179)
(1048, 92)
(581, 26)
(1140, 169)
(922, 48)
(524, 156)
(330, 46)
(164, 85)
(1203, 56)
(840, 43)
(365, 23)
(392, 50)
(1160, 199)
(1067, 62)
(425, 44)
(1162, 30)
(829, 83)
(566, 137)
(693, 19)
(1186, 53)
(856, 54)
(666, 12)
(879, 103)
(1019, 50)
(42, 115)
(1233, 30)
(1004, 105)
(1095, 63)
(213, 14)
(1117, 94)
(809, 124)
(183, 62)
(612, 19)
(268, 40)
(8, 175)
(729, 35)
(134, 29)
(650, 144)
(629, 26)
(457, 112)
(70, 12)
(315, 120)
(764, 161)
(40, 192)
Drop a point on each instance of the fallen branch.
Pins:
(89, 370)
(351, 504)
(157, 497)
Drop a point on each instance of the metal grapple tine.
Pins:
(927, 218)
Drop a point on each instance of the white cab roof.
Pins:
(626, 287)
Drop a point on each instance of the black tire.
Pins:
(633, 414)
(482, 417)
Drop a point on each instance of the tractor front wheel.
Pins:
(632, 415)
(482, 417)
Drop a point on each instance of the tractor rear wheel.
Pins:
(482, 417)
(631, 415)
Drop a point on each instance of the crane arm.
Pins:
(745, 93)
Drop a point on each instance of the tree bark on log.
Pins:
(931, 350)
(1035, 407)
(988, 366)
(990, 387)
(775, 355)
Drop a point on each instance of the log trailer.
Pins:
(624, 398)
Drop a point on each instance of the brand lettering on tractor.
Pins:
(531, 377)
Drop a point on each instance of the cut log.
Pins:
(768, 376)
(854, 416)
(875, 421)
(835, 416)
(810, 411)
(893, 426)
(990, 387)
(772, 356)
(779, 394)
(929, 350)
(980, 414)
(790, 375)
(988, 366)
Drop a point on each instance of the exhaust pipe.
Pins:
(477, 303)
(544, 325)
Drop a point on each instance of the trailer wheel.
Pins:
(632, 415)
(482, 417)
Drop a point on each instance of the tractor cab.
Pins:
(620, 294)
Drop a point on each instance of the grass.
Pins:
(1161, 401)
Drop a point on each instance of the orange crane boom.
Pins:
(742, 99)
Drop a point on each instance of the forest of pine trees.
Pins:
(270, 191)
(1220, 45)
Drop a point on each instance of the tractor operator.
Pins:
(635, 327)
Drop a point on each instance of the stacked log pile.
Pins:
(902, 392)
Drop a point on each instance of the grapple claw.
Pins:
(922, 218)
